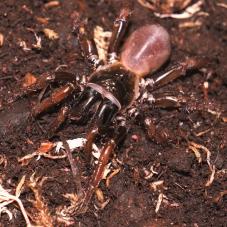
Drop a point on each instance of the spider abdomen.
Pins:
(146, 49)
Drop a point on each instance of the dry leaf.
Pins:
(165, 6)
(46, 147)
(102, 39)
(224, 119)
(29, 80)
(50, 34)
(51, 4)
(99, 195)
(1, 39)
(42, 20)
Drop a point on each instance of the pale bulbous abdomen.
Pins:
(146, 50)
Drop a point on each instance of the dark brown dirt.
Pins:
(187, 201)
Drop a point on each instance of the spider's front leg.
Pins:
(97, 175)
(42, 82)
(55, 98)
(118, 31)
(87, 44)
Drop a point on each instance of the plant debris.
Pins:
(50, 34)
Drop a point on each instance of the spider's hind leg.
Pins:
(193, 63)
(168, 100)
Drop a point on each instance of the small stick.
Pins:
(74, 166)
(6, 77)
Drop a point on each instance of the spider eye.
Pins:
(146, 49)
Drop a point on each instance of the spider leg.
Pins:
(168, 100)
(119, 28)
(46, 78)
(55, 98)
(104, 115)
(97, 175)
(179, 70)
(42, 83)
(87, 44)
(60, 119)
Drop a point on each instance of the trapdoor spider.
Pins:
(113, 86)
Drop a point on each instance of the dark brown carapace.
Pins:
(112, 87)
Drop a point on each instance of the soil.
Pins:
(187, 198)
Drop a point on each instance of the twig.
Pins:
(194, 147)
(222, 5)
(74, 166)
(160, 198)
(6, 77)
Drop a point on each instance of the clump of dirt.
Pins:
(171, 174)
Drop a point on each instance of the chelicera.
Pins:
(113, 87)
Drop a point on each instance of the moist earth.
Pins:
(162, 162)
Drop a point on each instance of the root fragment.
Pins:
(190, 24)
(64, 213)
(6, 198)
(195, 148)
(42, 151)
(115, 172)
(3, 161)
(189, 12)
(51, 4)
(222, 5)
(41, 215)
(159, 202)
(211, 178)
(220, 196)
(197, 153)
(157, 185)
